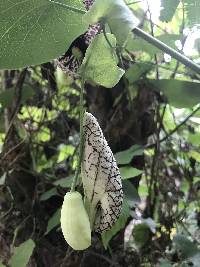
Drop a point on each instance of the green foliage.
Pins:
(120, 224)
(118, 16)
(35, 31)
(103, 71)
(193, 10)
(188, 248)
(137, 71)
(7, 97)
(22, 254)
(46, 127)
(125, 156)
(138, 44)
(189, 92)
(168, 9)
(129, 172)
(131, 193)
(54, 221)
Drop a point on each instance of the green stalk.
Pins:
(173, 53)
(81, 144)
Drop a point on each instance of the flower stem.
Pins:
(81, 144)
(168, 50)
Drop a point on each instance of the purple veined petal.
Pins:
(68, 62)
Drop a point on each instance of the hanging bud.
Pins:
(75, 223)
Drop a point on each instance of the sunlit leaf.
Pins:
(125, 156)
(129, 172)
(168, 9)
(36, 31)
(114, 12)
(103, 71)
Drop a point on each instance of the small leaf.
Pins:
(141, 234)
(100, 62)
(7, 97)
(54, 221)
(64, 182)
(35, 31)
(129, 172)
(48, 194)
(120, 224)
(125, 156)
(195, 155)
(168, 9)
(136, 71)
(117, 14)
(194, 139)
(131, 193)
(181, 94)
(22, 254)
(187, 247)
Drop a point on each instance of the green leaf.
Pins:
(2, 265)
(116, 13)
(131, 193)
(36, 31)
(65, 151)
(48, 194)
(192, 8)
(141, 234)
(180, 94)
(165, 263)
(125, 156)
(129, 172)
(187, 247)
(120, 224)
(7, 97)
(194, 154)
(22, 254)
(168, 9)
(136, 71)
(100, 62)
(138, 44)
(64, 182)
(54, 221)
(194, 139)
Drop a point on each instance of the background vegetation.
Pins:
(151, 120)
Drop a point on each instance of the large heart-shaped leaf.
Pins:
(181, 94)
(36, 31)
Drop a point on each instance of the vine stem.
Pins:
(81, 144)
(168, 50)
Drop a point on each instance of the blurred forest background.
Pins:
(151, 120)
